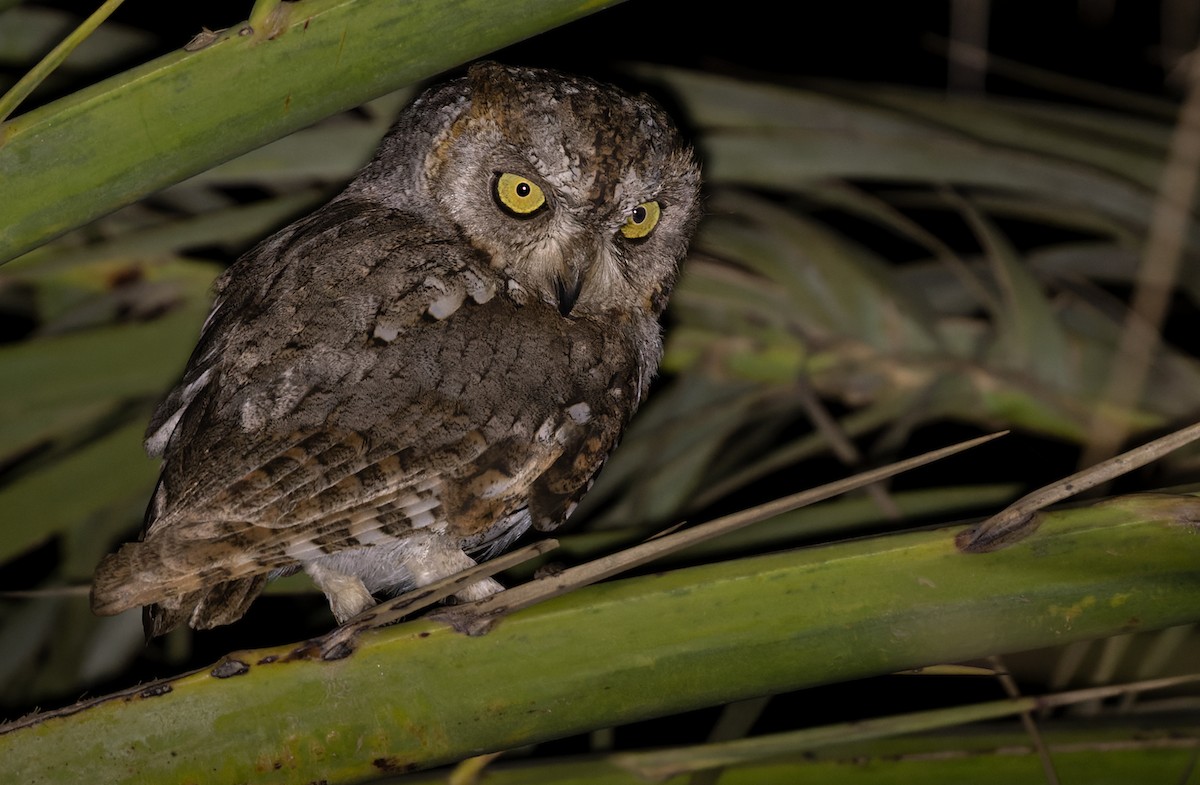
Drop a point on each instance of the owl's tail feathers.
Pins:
(135, 576)
(119, 584)
(169, 566)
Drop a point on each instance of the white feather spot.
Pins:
(444, 306)
(156, 443)
(517, 292)
(190, 391)
(580, 412)
(289, 392)
(544, 432)
(385, 332)
(253, 417)
(480, 290)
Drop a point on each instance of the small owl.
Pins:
(441, 357)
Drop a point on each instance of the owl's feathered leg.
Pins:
(348, 576)
(340, 642)
(434, 557)
(347, 594)
(479, 590)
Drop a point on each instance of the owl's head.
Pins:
(583, 195)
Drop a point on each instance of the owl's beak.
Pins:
(567, 286)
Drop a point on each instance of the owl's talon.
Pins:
(466, 619)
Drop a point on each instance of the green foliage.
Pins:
(796, 307)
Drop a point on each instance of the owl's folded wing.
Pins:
(460, 462)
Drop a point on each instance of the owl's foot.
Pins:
(468, 586)
(340, 643)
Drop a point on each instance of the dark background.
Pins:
(869, 40)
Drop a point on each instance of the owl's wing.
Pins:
(295, 341)
(287, 312)
(356, 422)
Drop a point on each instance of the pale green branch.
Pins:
(420, 694)
(85, 155)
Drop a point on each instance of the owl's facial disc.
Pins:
(582, 197)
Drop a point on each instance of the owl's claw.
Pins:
(471, 619)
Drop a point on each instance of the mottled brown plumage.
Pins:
(426, 366)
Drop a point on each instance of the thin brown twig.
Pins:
(967, 54)
(660, 765)
(1156, 278)
(1102, 94)
(1018, 520)
(841, 445)
(1031, 729)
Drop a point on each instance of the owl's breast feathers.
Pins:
(363, 377)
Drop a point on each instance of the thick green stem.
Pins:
(420, 694)
(78, 158)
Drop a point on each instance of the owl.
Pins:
(441, 357)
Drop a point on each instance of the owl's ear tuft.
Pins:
(486, 71)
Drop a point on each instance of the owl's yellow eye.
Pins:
(518, 195)
(641, 221)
